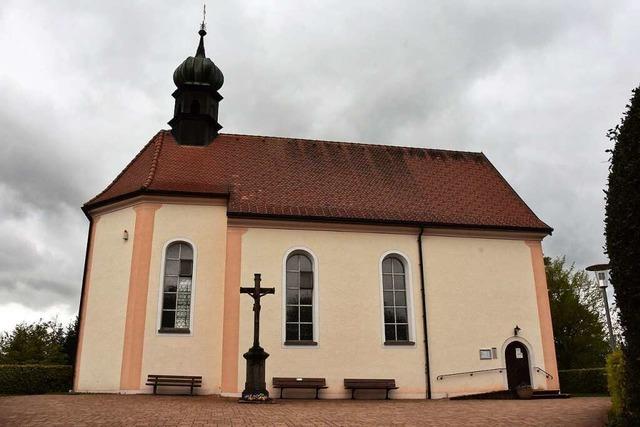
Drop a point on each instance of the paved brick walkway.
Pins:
(144, 410)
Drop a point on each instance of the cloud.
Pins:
(533, 85)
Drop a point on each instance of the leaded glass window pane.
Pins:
(292, 332)
(388, 315)
(169, 301)
(172, 267)
(170, 283)
(186, 252)
(173, 252)
(402, 332)
(394, 295)
(292, 296)
(305, 314)
(401, 315)
(292, 314)
(306, 280)
(387, 281)
(168, 318)
(299, 297)
(176, 299)
(390, 332)
(306, 296)
(306, 331)
(186, 267)
(293, 280)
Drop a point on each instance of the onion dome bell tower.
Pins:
(195, 116)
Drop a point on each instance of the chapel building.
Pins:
(420, 265)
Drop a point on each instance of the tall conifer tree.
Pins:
(622, 225)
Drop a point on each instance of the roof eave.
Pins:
(91, 206)
(369, 221)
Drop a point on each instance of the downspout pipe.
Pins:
(427, 370)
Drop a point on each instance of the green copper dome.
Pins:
(198, 70)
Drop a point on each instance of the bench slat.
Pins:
(175, 382)
(176, 376)
(302, 383)
(191, 381)
(373, 384)
(292, 382)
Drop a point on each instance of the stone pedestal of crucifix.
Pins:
(255, 387)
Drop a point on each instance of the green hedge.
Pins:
(35, 379)
(592, 380)
(616, 375)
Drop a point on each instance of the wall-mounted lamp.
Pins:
(125, 235)
(516, 330)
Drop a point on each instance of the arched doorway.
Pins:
(517, 359)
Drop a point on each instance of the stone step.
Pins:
(550, 394)
(508, 394)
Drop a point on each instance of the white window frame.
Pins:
(404, 259)
(315, 296)
(161, 288)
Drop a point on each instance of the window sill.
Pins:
(392, 343)
(302, 342)
(174, 331)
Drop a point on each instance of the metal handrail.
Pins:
(470, 373)
(547, 374)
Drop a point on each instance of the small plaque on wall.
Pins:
(485, 354)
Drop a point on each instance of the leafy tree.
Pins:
(39, 342)
(575, 309)
(622, 231)
(70, 343)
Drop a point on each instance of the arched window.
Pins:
(394, 292)
(178, 284)
(299, 298)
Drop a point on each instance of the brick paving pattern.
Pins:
(147, 410)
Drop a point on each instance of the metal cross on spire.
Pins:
(203, 26)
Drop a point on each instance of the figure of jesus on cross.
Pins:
(255, 387)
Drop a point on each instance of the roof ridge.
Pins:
(152, 140)
(351, 143)
(154, 160)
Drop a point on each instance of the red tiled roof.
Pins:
(321, 180)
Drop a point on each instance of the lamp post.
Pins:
(602, 276)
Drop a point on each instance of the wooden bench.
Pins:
(369, 384)
(174, 381)
(316, 383)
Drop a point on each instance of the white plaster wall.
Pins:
(198, 353)
(478, 290)
(106, 303)
(350, 335)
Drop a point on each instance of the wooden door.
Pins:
(517, 359)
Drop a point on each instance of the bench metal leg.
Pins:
(353, 393)
(317, 391)
(155, 388)
(281, 392)
(387, 396)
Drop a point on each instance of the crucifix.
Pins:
(255, 388)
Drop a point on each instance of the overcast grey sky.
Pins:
(84, 85)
